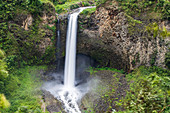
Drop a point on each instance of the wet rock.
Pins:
(52, 104)
(108, 88)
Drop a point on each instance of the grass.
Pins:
(23, 90)
(111, 69)
(69, 5)
(63, 8)
(88, 11)
(93, 70)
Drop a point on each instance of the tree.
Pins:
(3, 66)
(3, 102)
(3, 74)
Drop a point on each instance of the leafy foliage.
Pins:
(137, 7)
(21, 46)
(3, 74)
(88, 11)
(3, 102)
(20, 49)
(154, 30)
(3, 71)
(21, 87)
(148, 91)
(3, 66)
(69, 5)
(133, 7)
(99, 2)
(111, 69)
(9, 8)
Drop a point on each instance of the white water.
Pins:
(69, 94)
(69, 72)
(70, 59)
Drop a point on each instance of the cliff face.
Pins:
(117, 40)
(29, 36)
(26, 22)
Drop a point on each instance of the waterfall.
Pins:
(58, 44)
(70, 59)
(68, 94)
(71, 94)
(69, 72)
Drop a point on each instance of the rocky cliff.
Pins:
(29, 36)
(117, 40)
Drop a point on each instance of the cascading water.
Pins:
(58, 43)
(70, 60)
(69, 94)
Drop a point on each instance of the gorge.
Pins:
(68, 93)
(110, 58)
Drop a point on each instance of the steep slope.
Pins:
(26, 32)
(118, 40)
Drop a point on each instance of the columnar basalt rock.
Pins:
(118, 40)
(107, 37)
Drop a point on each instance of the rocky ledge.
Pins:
(117, 40)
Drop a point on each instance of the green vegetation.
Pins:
(22, 46)
(48, 1)
(91, 70)
(94, 70)
(19, 86)
(67, 6)
(88, 11)
(3, 66)
(20, 51)
(101, 98)
(148, 13)
(154, 30)
(139, 7)
(133, 25)
(149, 91)
(3, 102)
(99, 2)
(3, 74)
(22, 89)
(111, 69)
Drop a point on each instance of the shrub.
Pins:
(148, 91)
(88, 11)
(133, 7)
(22, 90)
(3, 102)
